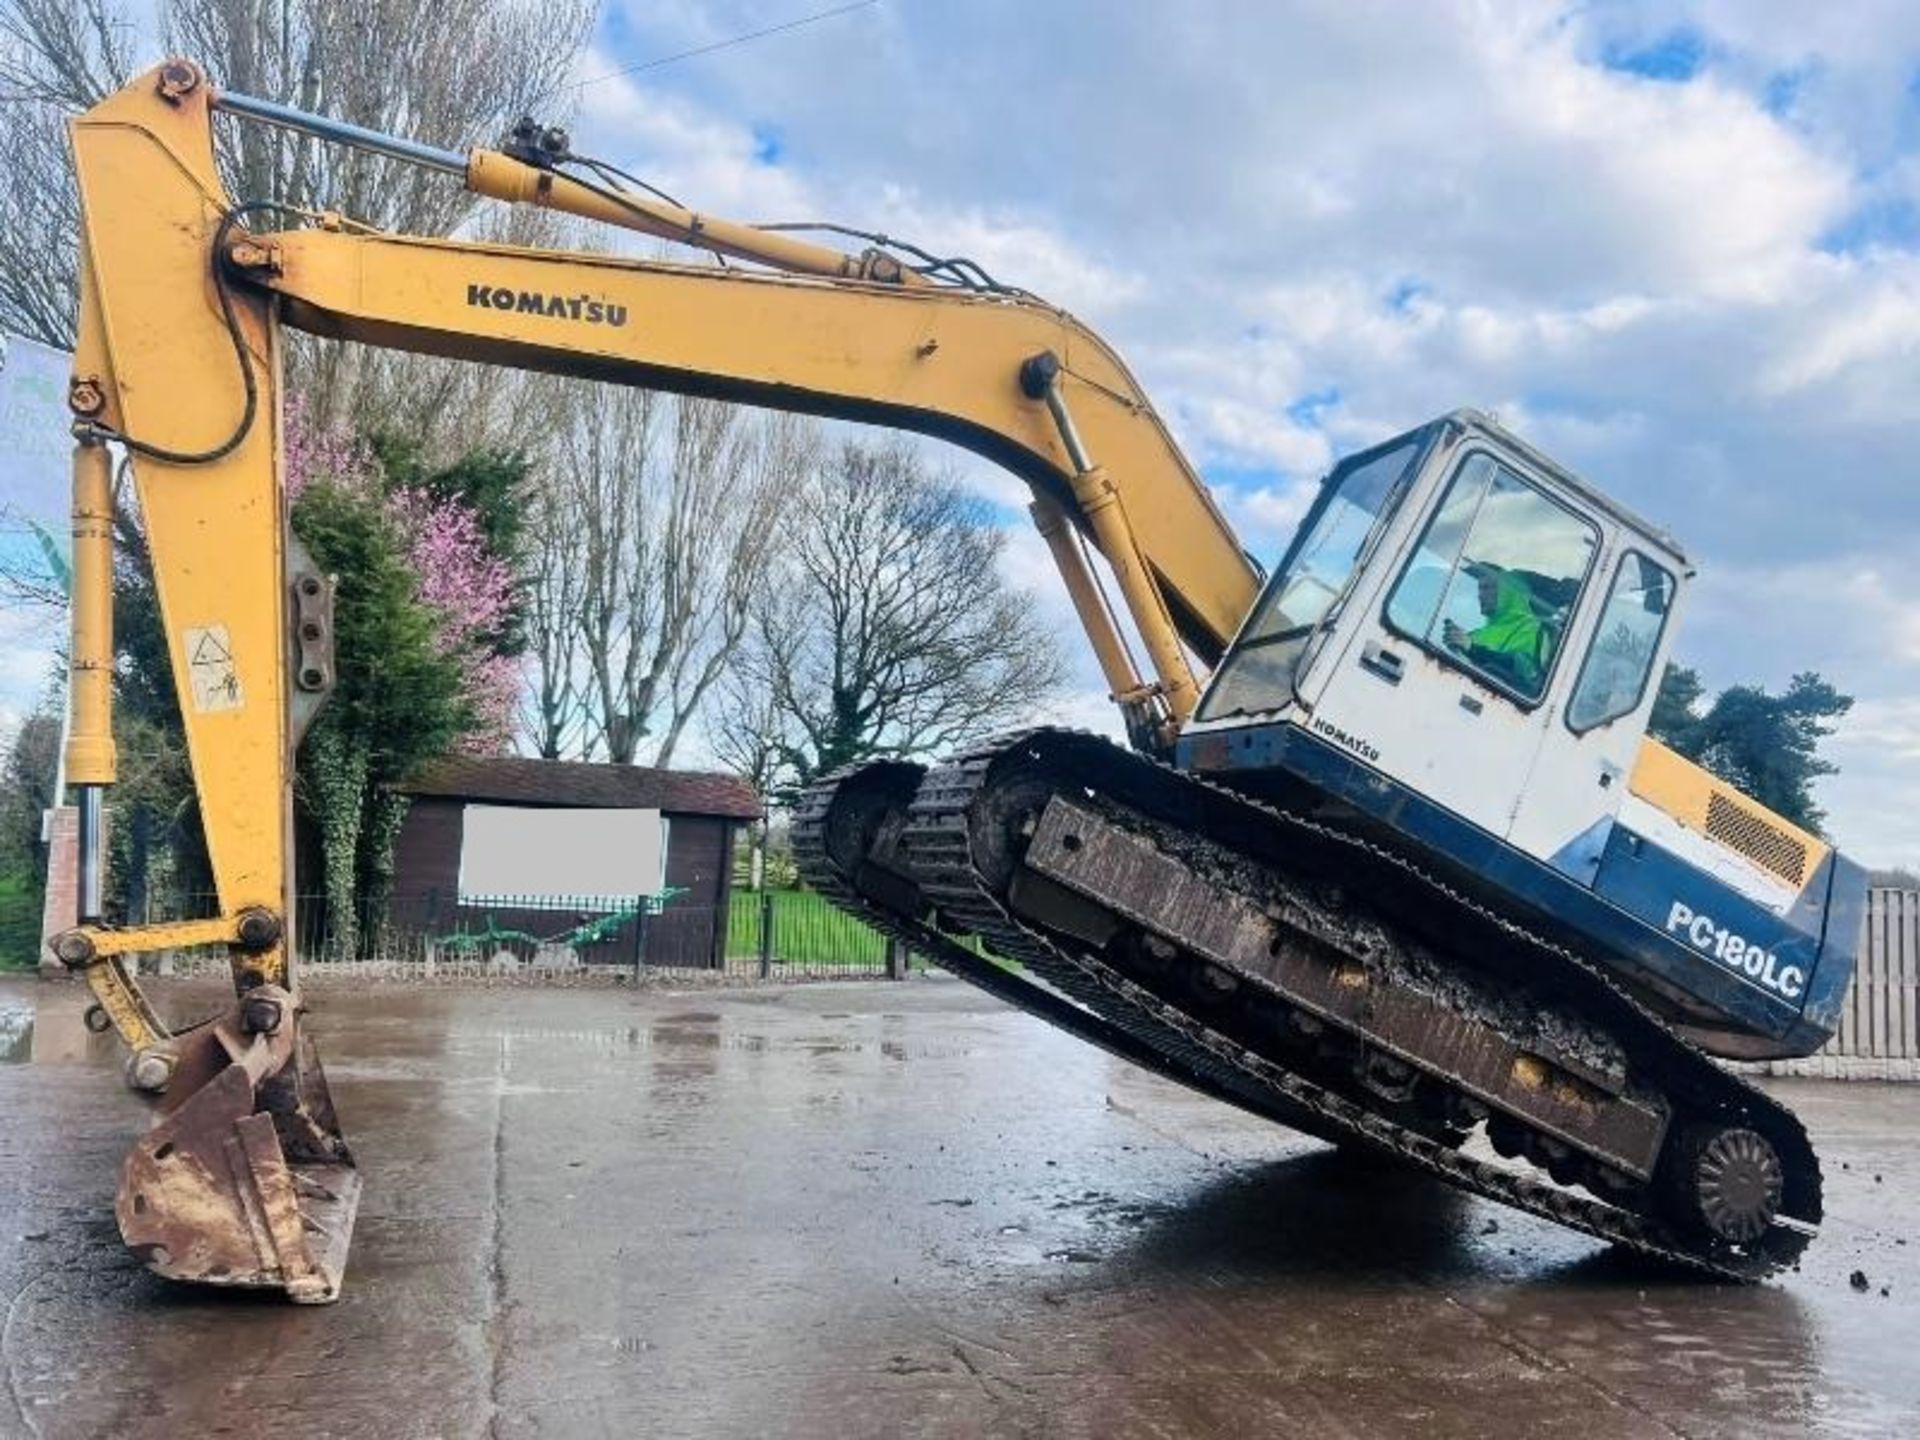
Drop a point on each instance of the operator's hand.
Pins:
(1454, 636)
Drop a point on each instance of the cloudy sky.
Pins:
(1675, 244)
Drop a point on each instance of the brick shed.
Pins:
(702, 812)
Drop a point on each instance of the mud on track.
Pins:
(874, 1209)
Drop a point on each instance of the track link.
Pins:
(936, 848)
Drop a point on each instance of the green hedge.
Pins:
(20, 906)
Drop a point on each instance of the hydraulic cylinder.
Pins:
(90, 757)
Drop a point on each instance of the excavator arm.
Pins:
(245, 1179)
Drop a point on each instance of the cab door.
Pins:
(1443, 678)
(1581, 769)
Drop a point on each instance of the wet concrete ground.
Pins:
(882, 1210)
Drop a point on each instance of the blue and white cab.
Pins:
(1459, 655)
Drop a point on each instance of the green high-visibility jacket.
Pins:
(1514, 632)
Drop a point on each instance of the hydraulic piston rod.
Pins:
(91, 761)
(450, 162)
(1099, 501)
(501, 176)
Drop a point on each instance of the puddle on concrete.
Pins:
(16, 1033)
(48, 1028)
(819, 1209)
(699, 1031)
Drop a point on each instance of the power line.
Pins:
(724, 44)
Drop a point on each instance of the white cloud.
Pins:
(1083, 709)
(1867, 323)
(705, 161)
(1857, 613)
(1309, 225)
(1892, 725)
(28, 659)
(1280, 510)
(1877, 792)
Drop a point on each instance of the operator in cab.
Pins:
(1514, 641)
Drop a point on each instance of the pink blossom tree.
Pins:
(465, 585)
(470, 591)
(423, 612)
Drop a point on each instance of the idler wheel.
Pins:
(861, 834)
(1728, 1182)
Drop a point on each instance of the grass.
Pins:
(806, 931)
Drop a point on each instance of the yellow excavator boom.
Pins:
(183, 294)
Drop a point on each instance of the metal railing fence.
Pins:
(796, 934)
(770, 935)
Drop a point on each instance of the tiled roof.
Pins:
(514, 781)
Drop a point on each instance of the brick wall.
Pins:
(62, 909)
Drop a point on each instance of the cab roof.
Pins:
(1471, 421)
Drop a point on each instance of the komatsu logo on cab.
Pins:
(1737, 954)
(539, 302)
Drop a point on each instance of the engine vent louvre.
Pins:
(1753, 836)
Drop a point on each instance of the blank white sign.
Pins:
(508, 850)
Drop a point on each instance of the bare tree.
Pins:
(447, 73)
(747, 728)
(554, 704)
(651, 538)
(56, 57)
(895, 632)
(749, 731)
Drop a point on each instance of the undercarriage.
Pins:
(1316, 978)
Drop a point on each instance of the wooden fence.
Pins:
(1879, 1037)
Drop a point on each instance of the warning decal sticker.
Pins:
(214, 679)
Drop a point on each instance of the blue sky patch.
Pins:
(1539, 401)
(1230, 476)
(1781, 91)
(1677, 57)
(1308, 409)
(1889, 223)
(985, 513)
(1404, 292)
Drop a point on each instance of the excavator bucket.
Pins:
(244, 1178)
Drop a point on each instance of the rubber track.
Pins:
(939, 846)
(1076, 1019)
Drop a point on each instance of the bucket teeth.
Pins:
(245, 1180)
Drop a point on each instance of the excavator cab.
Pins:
(1459, 655)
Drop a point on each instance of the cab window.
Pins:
(1259, 673)
(1613, 677)
(1494, 582)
